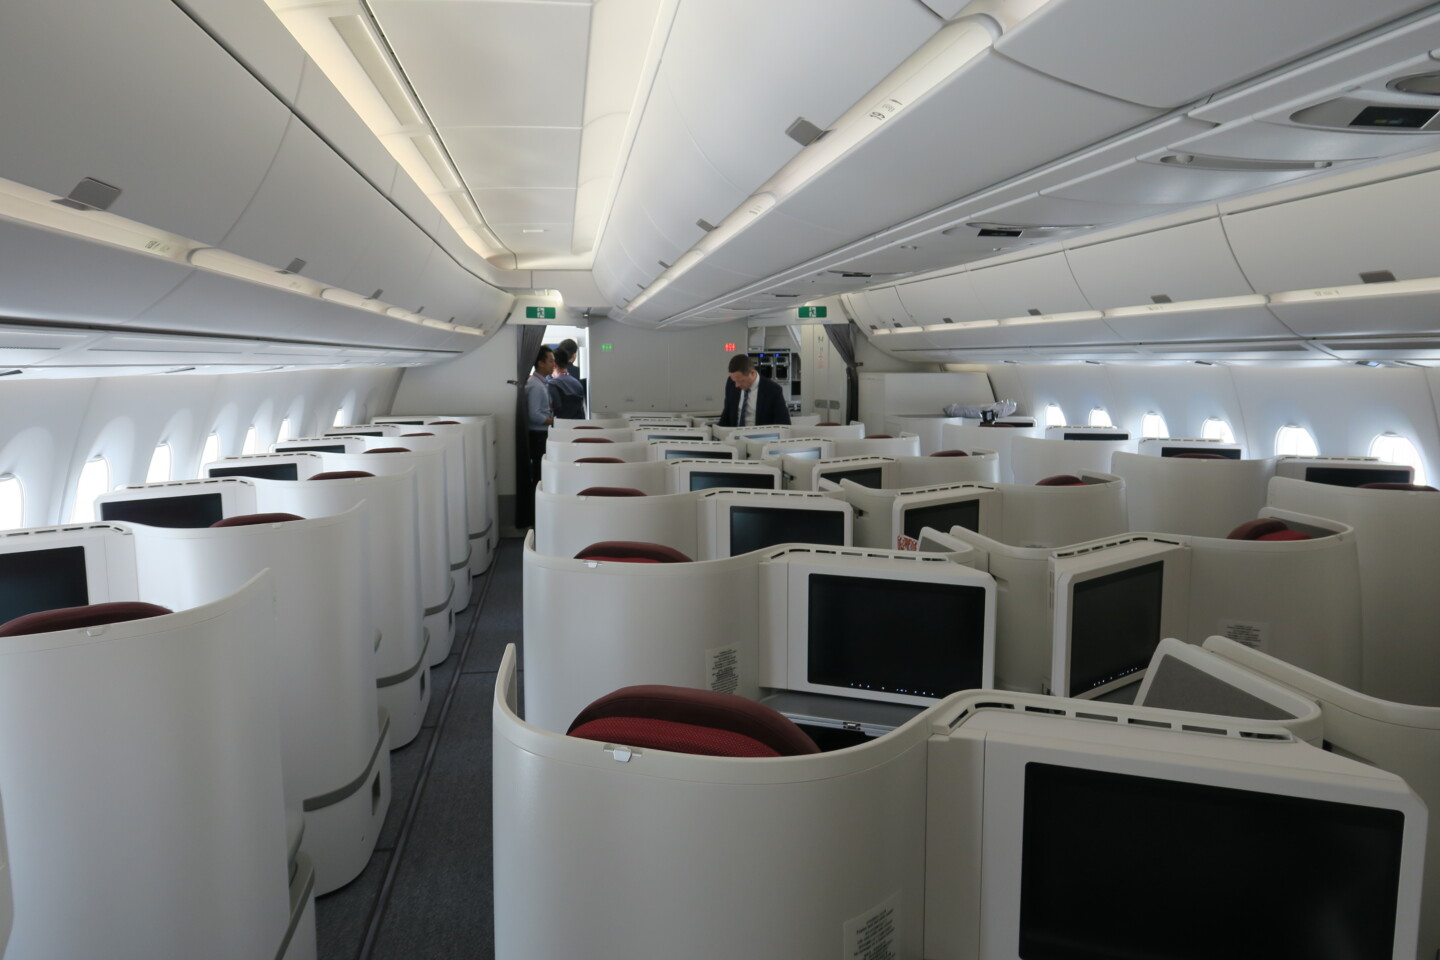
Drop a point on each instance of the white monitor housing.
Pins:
(183, 503)
(807, 448)
(648, 433)
(1072, 431)
(880, 473)
(271, 466)
(46, 568)
(320, 445)
(1344, 471)
(732, 522)
(687, 476)
(690, 450)
(1171, 446)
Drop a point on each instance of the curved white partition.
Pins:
(981, 466)
(564, 477)
(905, 445)
(631, 451)
(929, 427)
(436, 585)
(1200, 498)
(150, 823)
(335, 739)
(804, 473)
(802, 851)
(565, 525)
(1032, 460)
(880, 520)
(457, 511)
(1397, 537)
(1058, 516)
(475, 448)
(1000, 439)
(7, 895)
(845, 431)
(391, 549)
(737, 434)
(669, 623)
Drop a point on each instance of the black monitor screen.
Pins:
(942, 516)
(697, 455)
(404, 423)
(1227, 453)
(1277, 876)
(1114, 625)
(196, 510)
(761, 436)
(323, 448)
(866, 477)
(36, 580)
(357, 433)
(713, 479)
(667, 436)
(808, 453)
(895, 636)
(265, 471)
(1097, 436)
(1342, 477)
(755, 528)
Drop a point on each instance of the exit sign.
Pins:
(539, 313)
(813, 313)
(607, 346)
(729, 348)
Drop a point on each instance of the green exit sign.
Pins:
(813, 313)
(539, 313)
(607, 346)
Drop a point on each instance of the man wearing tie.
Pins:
(750, 399)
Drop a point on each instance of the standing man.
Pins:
(539, 414)
(750, 399)
(567, 395)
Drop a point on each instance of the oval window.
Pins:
(1099, 418)
(1393, 448)
(94, 480)
(1217, 429)
(12, 503)
(1293, 441)
(1153, 425)
(1054, 416)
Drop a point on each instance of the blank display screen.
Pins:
(895, 636)
(324, 448)
(868, 477)
(669, 436)
(357, 433)
(809, 453)
(755, 528)
(697, 455)
(713, 479)
(36, 580)
(942, 516)
(1176, 451)
(761, 436)
(265, 471)
(1341, 477)
(406, 423)
(1097, 436)
(197, 510)
(1114, 625)
(1208, 871)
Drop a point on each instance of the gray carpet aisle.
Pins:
(427, 890)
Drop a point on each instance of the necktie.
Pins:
(744, 401)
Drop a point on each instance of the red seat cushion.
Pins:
(417, 434)
(1397, 486)
(632, 551)
(342, 475)
(592, 440)
(73, 618)
(828, 423)
(1061, 480)
(599, 460)
(1198, 455)
(254, 519)
(1285, 535)
(656, 716)
(949, 453)
(611, 492)
(1255, 529)
(443, 423)
(675, 737)
(390, 450)
(879, 436)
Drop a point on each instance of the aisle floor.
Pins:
(427, 890)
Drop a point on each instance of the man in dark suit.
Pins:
(750, 399)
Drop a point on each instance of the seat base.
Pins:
(300, 937)
(406, 702)
(460, 598)
(442, 635)
(340, 836)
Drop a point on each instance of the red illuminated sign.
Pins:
(729, 348)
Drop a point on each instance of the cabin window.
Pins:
(1153, 425)
(339, 418)
(283, 433)
(1054, 416)
(12, 503)
(1099, 418)
(1217, 429)
(252, 442)
(1393, 448)
(211, 453)
(160, 464)
(94, 480)
(1293, 441)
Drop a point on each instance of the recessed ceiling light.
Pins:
(532, 230)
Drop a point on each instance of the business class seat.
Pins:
(630, 551)
(591, 439)
(599, 460)
(611, 492)
(255, 519)
(683, 720)
(1267, 529)
(949, 453)
(74, 618)
(1060, 480)
(389, 450)
(1414, 487)
(342, 475)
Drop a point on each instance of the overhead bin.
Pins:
(126, 94)
(1112, 46)
(1233, 323)
(1035, 286)
(1411, 314)
(392, 262)
(1187, 262)
(940, 298)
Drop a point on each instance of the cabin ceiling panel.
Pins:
(51, 276)
(552, 241)
(1160, 183)
(500, 158)
(261, 41)
(517, 207)
(770, 76)
(321, 105)
(1331, 239)
(1112, 46)
(1040, 285)
(1417, 313)
(1188, 262)
(934, 300)
(127, 94)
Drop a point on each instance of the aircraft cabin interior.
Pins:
(640, 479)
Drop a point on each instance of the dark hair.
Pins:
(540, 357)
(570, 347)
(563, 357)
(740, 363)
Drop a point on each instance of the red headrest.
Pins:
(1285, 535)
(592, 440)
(1255, 529)
(390, 450)
(417, 434)
(1397, 486)
(253, 519)
(828, 423)
(341, 475)
(691, 721)
(610, 492)
(878, 436)
(446, 423)
(949, 453)
(599, 460)
(1060, 480)
(1198, 455)
(632, 551)
(73, 618)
